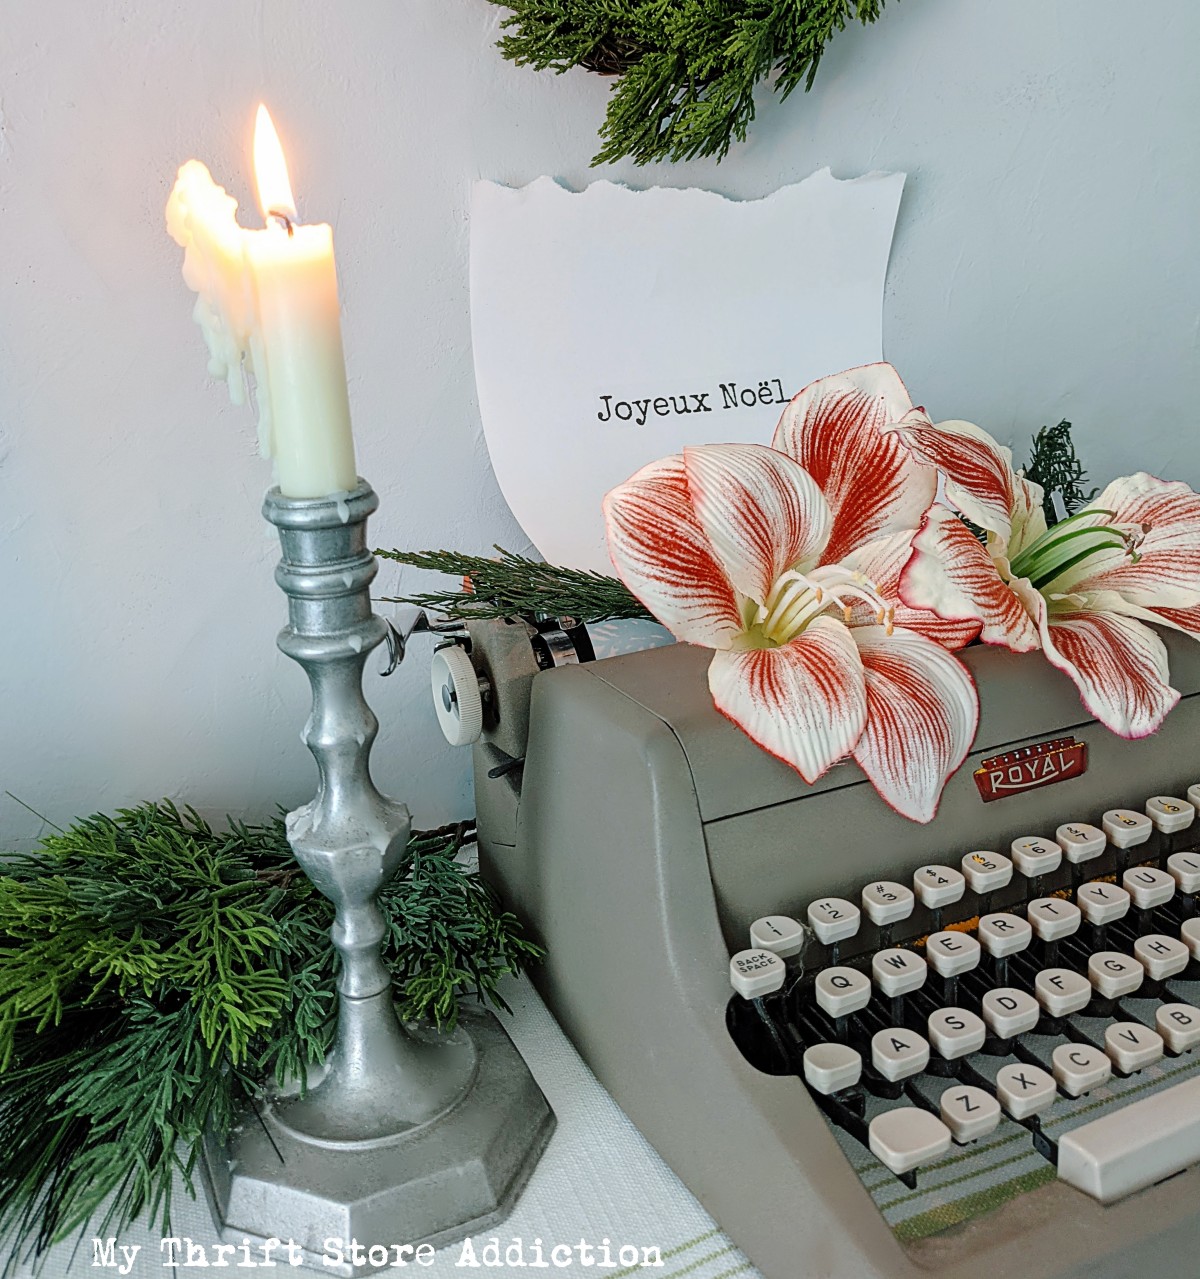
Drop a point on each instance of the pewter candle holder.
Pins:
(404, 1136)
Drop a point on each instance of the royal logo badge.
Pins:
(1029, 767)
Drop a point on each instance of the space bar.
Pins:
(1135, 1146)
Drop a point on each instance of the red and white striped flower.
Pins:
(1077, 589)
(786, 561)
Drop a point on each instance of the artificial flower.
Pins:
(786, 561)
(1076, 590)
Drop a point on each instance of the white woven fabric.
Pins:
(598, 1181)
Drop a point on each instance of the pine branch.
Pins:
(688, 68)
(512, 586)
(153, 971)
(1054, 465)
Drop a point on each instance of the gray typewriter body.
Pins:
(643, 835)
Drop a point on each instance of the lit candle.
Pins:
(267, 302)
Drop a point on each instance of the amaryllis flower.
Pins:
(790, 573)
(1077, 589)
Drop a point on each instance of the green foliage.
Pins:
(153, 971)
(688, 68)
(1054, 465)
(512, 586)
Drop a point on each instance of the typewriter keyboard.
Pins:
(1030, 1013)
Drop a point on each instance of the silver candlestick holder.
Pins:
(405, 1136)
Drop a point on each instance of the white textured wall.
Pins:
(1045, 264)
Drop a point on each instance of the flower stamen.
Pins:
(798, 598)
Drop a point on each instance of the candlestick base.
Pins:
(452, 1175)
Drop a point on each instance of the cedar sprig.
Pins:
(688, 68)
(512, 586)
(154, 970)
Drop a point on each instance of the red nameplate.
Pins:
(1030, 767)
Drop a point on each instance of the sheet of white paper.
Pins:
(612, 327)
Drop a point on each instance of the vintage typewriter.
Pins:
(870, 1048)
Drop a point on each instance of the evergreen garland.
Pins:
(688, 68)
(154, 971)
(513, 586)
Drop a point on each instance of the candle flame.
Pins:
(270, 170)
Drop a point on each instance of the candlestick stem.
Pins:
(350, 840)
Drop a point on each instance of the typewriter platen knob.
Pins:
(457, 698)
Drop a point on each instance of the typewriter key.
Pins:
(1132, 1046)
(1079, 1068)
(969, 1112)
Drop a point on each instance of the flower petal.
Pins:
(881, 561)
(952, 575)
(763, 513)
(663, 555)
(980, 480)
(1118, 664)
(1167, 571)
(922, 711)
(834, 429)
(804, 702)
(1179, 619)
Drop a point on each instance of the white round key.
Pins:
(906, 1137)
(780, 934)
(897, 1053)
(1060, 991)
(950, 953)
(754, 973)
(1189, 934)
(887, 902)
(1194, 795)
(1148, 886)
(841, 991)
(829, 1068)
(1034, 855)
(1161, 956)
(1125, 828)
(1003, 934)
(897, 972)
(1185, 868)
(1053, 917)
(1179, 1025)
(1100, 902)
(1132, 1046)
(1079, 1068)
(1169, 814)
(833, 919)
(1114, 975)
(1080, 842)
(1008, 1012)
(1025, 1090)
(985, 872)
(955, 1032)
(969, 1112)
(938, 885)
